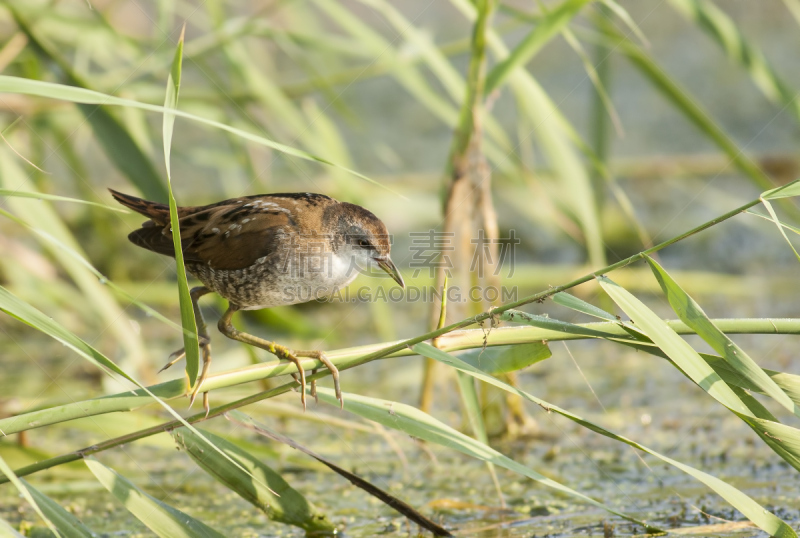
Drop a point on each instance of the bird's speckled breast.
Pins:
(277, 280)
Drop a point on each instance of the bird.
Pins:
(263, 251)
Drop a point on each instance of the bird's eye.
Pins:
(363, 243)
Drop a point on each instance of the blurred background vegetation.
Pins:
(628, 125)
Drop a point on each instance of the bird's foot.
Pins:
(205, 348)
(294, 356)
(177, 355)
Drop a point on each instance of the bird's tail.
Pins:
(159, 213)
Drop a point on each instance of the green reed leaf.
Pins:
(9, 474)
(740, 50)
(783, 440)
(570, 301)
(549, 26)
(190, 339)
(270, 493)
(7, 531)
(9, 84)
(676, 348)
(109, 132)
(742, 502)
(56, 198)
(690, 313)
(416, 423)
(504, 359)
(67, 524)
(164, 520)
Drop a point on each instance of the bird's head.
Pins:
(364, 237)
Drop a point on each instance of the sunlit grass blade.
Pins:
(789, 383)
(570, 301)
(501, 360)
(56, 198)
(456, 341)
(68, 525)
(270, 493)
(45, 218)
(74, 94)
(784, 191)
(402, 507)
(550, 25)
(755, 407)
(739, 49)
(29, 315)
(55, 242)
(517, 316)
(7, 531)
(190, 340)
(472, 407)
(784, 440)
(410, 77)
(794, 8)
(789, 227)
(161, 518)
(115, 140)
(777, 222)
(693, 111)
(447, 74)
(416, 423)
(692, 314)
(555, 137)
(599, 85)
(623, 15)
(742, 502)
(27, 495)
(676, 348)
(525, 84)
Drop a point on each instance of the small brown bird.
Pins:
(263, 251)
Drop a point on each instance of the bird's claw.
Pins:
(320, 356)
(205, 347)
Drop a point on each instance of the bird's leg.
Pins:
(202, 332)
(203, 339)
(282, 352)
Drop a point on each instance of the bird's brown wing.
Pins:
(224, 236)
(231, 234)
(234, 236)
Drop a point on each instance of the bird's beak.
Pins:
(387, 265)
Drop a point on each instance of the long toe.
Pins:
(174, 357)
(289, 356)
(320, 356)
(206, 348)
(314, 387)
